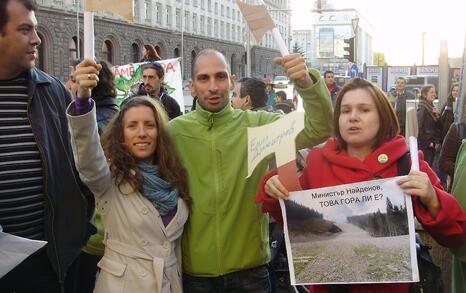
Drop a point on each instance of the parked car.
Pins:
(280, 82)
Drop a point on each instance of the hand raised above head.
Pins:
(87, 77)
(296, 69)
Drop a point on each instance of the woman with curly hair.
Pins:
(140, 189)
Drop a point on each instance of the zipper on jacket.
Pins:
(49, 201)
(217, 192)
(211, 122)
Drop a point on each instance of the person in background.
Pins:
(149, 54)
(399, 95)
(225, 243)
(332, 86)
(450, 147)
(153, 77)
(366, 131)
(447, 115)
(42, 196)
(270, 93)
(82, 274)
(140, 188)
(429, 124)
(283, 104)
(249, 94)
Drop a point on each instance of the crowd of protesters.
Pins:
(140, 198)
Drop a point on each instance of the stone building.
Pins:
(214, 24)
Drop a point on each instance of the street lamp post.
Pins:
(182, 39)
(78, 50)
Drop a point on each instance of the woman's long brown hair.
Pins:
(122, 163)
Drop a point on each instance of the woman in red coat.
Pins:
(367, 146)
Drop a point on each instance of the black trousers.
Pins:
(82, 274)
(34, 275)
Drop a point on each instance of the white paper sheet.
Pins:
(14, 249)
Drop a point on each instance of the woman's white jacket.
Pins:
(141, 254)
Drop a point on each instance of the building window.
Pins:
(228, 31)
(209, 26)
(107, 51)
(186, 21)
(215, 28)
(158, 50)
(209, 5)
(222, 29)
(176, 52)
(195, 3)
(40, 63)
(158, 13)
(186, 2)
(202, 24)
(135, 53)
(169, 15)
(216, 8)
(222, 10)
(194, 23)
(147, 10)
(178, 18)
(202, 4)
(72, 45)
(228, 12)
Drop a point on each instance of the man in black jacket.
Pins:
(152, 75)
(41, 196)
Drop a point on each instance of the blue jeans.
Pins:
(255, 280)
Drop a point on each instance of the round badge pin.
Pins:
(382, 158)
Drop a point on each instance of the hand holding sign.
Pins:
(259, 22)
(265, 140)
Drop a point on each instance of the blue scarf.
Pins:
(158, 191)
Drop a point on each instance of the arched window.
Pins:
(193, 58)
(40, 62)
(72, 47)
(176, 52)
(158, 50)
(135, 53)
(107, 51)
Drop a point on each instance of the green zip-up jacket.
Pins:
(226, 230)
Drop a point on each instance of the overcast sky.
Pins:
(398, 26)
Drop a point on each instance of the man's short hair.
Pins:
(156, 66)
(208, 52)
(327, 72)
(401, 78)
(255, 88)
(282, 95)
(29, 4)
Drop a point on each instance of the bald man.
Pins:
(225, 243)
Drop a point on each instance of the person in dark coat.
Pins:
(152, 85)
(333, 88)
(42, 195)
(399, 95)
(450, 147)
(429, 124)
(447, 114)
